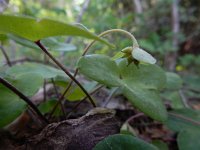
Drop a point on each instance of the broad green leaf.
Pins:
(183, 119)
(100, 68)
(174, 82)
(140, 85)
(147, 101)
(40, 69)
(28, 83)
(11, 106)
(49, 43)
(189, 139)
(142, 56)
(145, 76)
(123, 142)
(36, 29)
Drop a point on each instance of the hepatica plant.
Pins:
(133, 70)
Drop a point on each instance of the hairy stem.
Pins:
(23, 97)
(66, 71)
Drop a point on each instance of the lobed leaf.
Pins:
(140, 85)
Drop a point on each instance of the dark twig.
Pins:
(63, 95)
(57, 95)
(66, 71)
(81, 101)
(23, 97)
(5, 55)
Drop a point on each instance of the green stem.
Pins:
(135, 43)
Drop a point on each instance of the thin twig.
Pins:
(57, 95)
(81, 101)
(185, 118)
(134, 116)
(23, 97)
(66, 71)
(5, 55)
(183, 98)
(110, 96)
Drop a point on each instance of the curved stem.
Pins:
(23, 97)
(135, 43)
(66, 71)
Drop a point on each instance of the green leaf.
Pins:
(11, 106)
(77, 94)
(40, 69)
(36, 29)
(3, 37)
(47, 106)
(174, 82)
(183, 119)
(100, 68)
(189, 139)
(53, 44)
(160, 144)
(28, 83)
(49, 43)
(123, 142)
(141, 86)
(175, 99)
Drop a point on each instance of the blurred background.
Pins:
(168, 29)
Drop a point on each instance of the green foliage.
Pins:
(140, 85)
(11, 105)
(46, 107)
(36, 68)
(174, 82)
(189, 139)
(50, 43)
(180, 119)
(161, 145)
(121, 142)
(36, 29)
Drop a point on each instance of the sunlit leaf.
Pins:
(36, 29)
